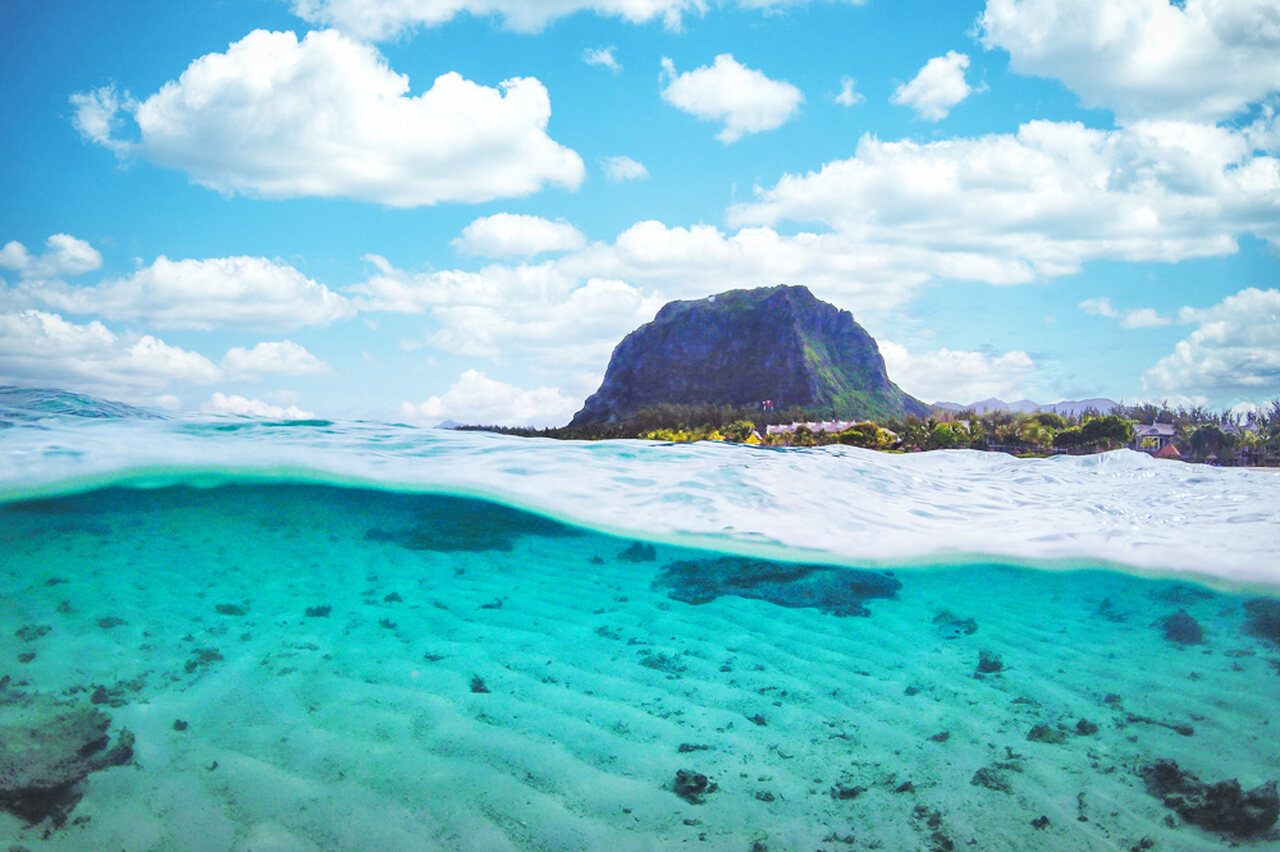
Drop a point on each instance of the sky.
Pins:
(429, 210)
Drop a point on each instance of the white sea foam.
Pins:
(1119, 509)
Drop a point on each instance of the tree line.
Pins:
(1199, 433)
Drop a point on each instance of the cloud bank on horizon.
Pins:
(455, 208)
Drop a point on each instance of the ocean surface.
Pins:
(233, 634)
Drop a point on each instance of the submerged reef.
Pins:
(47, 748)
(1222, 807)
(827, 588)
(1264, 619)
(1181, 629)
(452, 524)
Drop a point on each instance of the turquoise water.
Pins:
(364, 636)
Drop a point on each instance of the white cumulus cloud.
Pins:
(518, 235)
(1009, 208)
(1232, 355)
(41, 347)
(275, 117)
(744, 99)
(477, 399)
(277, 358)
(957, 376)
(221, 403)
(64, 255)
(1200, 60)
(620, 168)
(938, 86)
(245, 292)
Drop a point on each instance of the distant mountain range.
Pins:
(1066, 408)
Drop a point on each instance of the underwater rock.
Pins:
(692, 786)
(1264, 619)
(638, 552)
(1045, 734)
(840, 792)
(1040, 823)
(989, 663)
(1181, 629)
(951, 627)
(596, 560)
(941, 736)
(318, 611)
(478, 685)
(110, 621)
(179, 725)
(394, 597)
(32, 632)
(830, 589)
(202, 657)
(1085, 728)
(1222, 807)
(47, 748)
(229, 609)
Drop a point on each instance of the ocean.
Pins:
(231, 634)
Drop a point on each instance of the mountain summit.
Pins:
(743, 347)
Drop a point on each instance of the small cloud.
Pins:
(743, 98)
(96, 116)
(518, 235)
(938, 87)
(221, 403)
(602, 56)
(620, 168)
(1100, 306)
(848, 97)
(65, 255)
(1144, 318)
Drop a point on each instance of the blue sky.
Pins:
(429, 209)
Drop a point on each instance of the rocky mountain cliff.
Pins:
(743, 347)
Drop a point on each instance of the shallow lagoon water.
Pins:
(486, 678)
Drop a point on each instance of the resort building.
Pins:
(1152, 437)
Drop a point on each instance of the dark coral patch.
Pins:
(1224, 807)
(47, 748)
(452, 524)
(827, 588)
(1181, 629)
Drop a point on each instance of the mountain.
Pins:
(742, 347)
(1066, 408)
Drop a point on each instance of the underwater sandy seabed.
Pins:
(316, 668)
